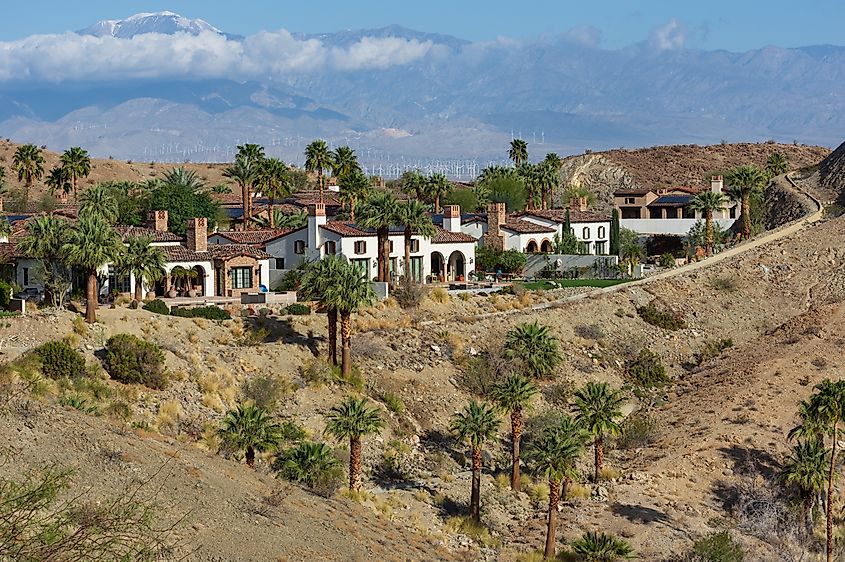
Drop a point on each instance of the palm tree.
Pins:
(352, 419)
(437, 186)
(554, 455)
(273, 176)
(600, 547)
(250, 429)
(548, 179)
(805, 471)
(413, 183)
(317, 159)
(315, 284)
(742, 183)
(518, 152)
(820, 417)
(708, 202)
(251, 152)
(380, 211)
(414, 216)
(511, 396)
(29, 164)
(476, 424)
(307, 463)
(91, 244)
(245, 173)
(44, 240)
(344, 161)
(776, 165)
(531, 178)
(58, 181)
(99, 201)
(354, 186)
(535, 347)
(349, 291)
(297, 219)
(183, 177)
(597, 408)
(144, 262)
(77, 164)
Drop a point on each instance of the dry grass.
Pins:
(439, 295)
(169, 413)
(577, 491)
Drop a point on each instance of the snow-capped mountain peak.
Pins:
(168, 23)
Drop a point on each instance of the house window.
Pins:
(331, 248)
(688, 213)
(278, 263)
(630, 200)
(655, 213)
(585, 233)
(602, 232)
(363, 267)
(26, 276)
(360, 247)
(600, 248)
(391, 245)
(417, 269)
(415, 245)
(241, 277)
(299, 247)
(120, 283)
(630, 212)
(732, 212)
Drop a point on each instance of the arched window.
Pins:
(531, 248)
(602, 232)
(585, 233)
(331, 248)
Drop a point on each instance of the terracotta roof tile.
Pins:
(446, 237)
(525, 227)
(228, 251)
(254, 237)
(127, 232)
(183, 254)
(347, 229)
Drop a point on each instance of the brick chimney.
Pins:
(582, 204)
(157, 220)
(198, 234)
(717, 183)
(495, 219)
(452, 218)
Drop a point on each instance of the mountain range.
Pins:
(164, 87)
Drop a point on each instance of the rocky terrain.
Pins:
(831, 176)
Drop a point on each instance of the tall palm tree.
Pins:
(776, 165)
(805, 471)
(354, 187)
(535, 347)
(350, 291)
(250, 429)
(708, 202)
(318, 158)
(437, 186)
(29, 164)
(532, 179)
(413, 183)
(91, 244)
(601, 547)
(344, 161)
(554, 455)
(416, 220)
(352, 419)
(597, 411)
(244, 172)
(99, 201)
(548, 179)
(44, 240)
(251, 151)
(143, 261)
(319, 277)
(476, 425)
(77, 164)
(183, 177)
(742, 183)
(58, 181)
(380, 211)
(518, 152)
(512, 396)
(821, 416)
(275, 181)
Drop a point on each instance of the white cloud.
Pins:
(669, 36)
(71, 56)
(584, 35)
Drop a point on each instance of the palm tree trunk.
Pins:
(437, 203)
(746, 215)
(320, 182)
(408, 254)
(708, 218)
(26, 187)
(544, 200)
(139, 288)
(250, 457)
(345, 336)
(516, 437)
(599, 447)
(830, 495)
(564, 487)
(271, 220)
(551, 528)
(475, 496)
(332, 317)
(352, 209)
(354, 463)
(91, 297)
(245, 204)
(75, 195)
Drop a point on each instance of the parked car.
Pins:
(30, 294)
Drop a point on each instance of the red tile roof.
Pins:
(229, 251)
(347, 229)
(446, 237)
(254, 237)
(127, 232)
(183, 254)
(526, 227)
(559, 215)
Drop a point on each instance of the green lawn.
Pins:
(562, 283)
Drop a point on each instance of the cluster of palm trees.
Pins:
(75, 164)
(252, 171)
(427, 189)
(540, 181)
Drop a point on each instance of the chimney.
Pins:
(582, 204)
(717, 183)
(495, 219)
(316, 219)
(1, 205)
(452, 218)
(198, 234)
(157, 220)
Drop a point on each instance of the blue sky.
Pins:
(710, 24)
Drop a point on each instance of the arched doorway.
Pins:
(546, 246)
(532, 247)
(438, 266)
(197, 282)
(457, 266)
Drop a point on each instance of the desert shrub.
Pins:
(646, 370)
(393, 402)
(439, 295)
(716, 547)
(481, 374)
(253, 336)
(131, 360)
(662, 319)
(725, 284)
(409, 294)
(312, 464)
(120, 410)
(298, 309)
(638, 430)
(591, 332)
(59, 360)
(559, 394)
(267, 391)
(712, 349)
(473, 529)
(5, 294)
(78, 403)
(291, 432)
(157, 306)
(207, 312)
(667, 260)
(316, 372)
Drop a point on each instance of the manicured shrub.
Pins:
(131, 360)
(646, 370)
(660, 318)
(207, 312)
(667, 260)
(5, 295)
(298, 309)
(59, 359)
(157, 306)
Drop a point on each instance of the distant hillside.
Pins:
(832, 174)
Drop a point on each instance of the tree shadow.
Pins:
(281, 330)
(750, 461)
(640, 514)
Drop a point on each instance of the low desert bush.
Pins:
(409, 294)
(591, 332)
(312, 464)
(439, 295)
(638, 430)
(157, 306)
(481, 374)
(712, 349)
(660, 318)
(78, 403)
(716, 547)
(725, 284)
(646, 370)
(131, 360)
(267, 391)
(59, 360)
(253, 336)
(476, 531)
(80, 327)
(298, 309)
(393, 402)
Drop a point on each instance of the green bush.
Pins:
(312, 464)
(207, 312)
(59, 359)
(717, 547)
(647, 370)
(131, 360)
(267, 391)
(298, 309)
(5, 295)
(667, 260)
(712, 349)
(491, 259)
(157, 306)
(666, 320)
